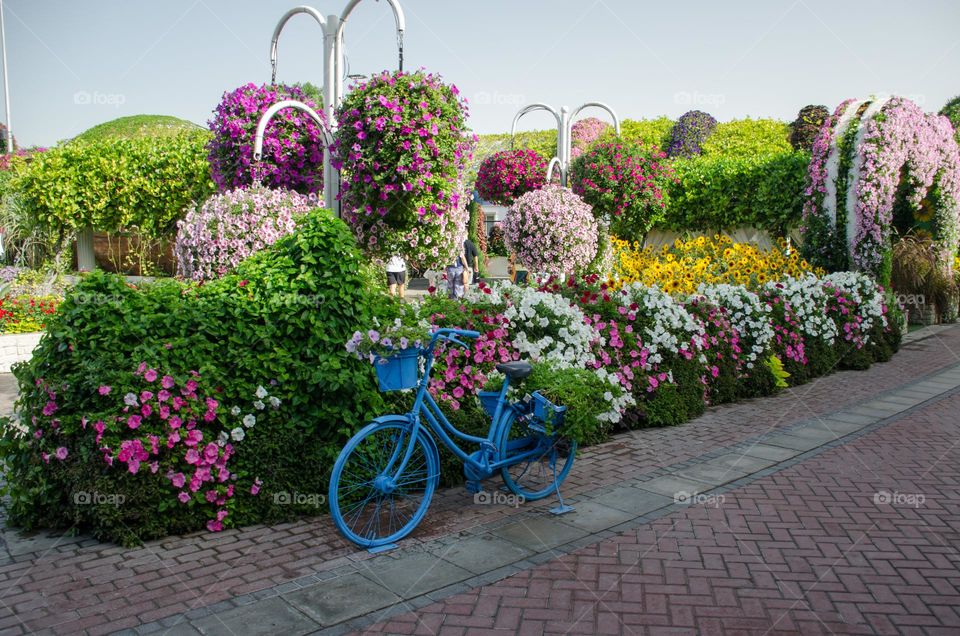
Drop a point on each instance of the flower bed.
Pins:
(686, 265)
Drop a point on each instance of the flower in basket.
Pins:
(386, 341)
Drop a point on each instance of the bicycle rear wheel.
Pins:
(371, 508)
(547, 458)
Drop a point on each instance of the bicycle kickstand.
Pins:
(563, 508)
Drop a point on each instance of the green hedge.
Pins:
(136, 126)
(749, 174)
(763, 191)
(282, 317)
(116, 184)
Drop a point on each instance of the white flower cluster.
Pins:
(865, 292)
(673, 327)
(544, 326)
(808, 302)
(249, 420)
(747, 314)
(617, 397)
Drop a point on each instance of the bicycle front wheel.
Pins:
(543, 460)
(371, 507)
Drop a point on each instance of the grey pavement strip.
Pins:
(366, 591)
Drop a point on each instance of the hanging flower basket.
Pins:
(399, 371)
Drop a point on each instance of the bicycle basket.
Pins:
(488, 400)
(546, 411)
(399, 371)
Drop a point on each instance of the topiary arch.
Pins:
(879, 165)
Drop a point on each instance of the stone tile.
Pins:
(635, 500)
(594, 516)
(839, 427)
(486, 552)
(341, 599)
(413, 573)
(793, 442)
(741, 462)
(670, 485)
(267, 617)
(539, 533)
(774, 453)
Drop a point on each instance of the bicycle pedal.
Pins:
(473, 487)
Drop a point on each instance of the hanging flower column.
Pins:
(402, 147)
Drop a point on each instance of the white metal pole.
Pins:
(331, 177)
(6, 83)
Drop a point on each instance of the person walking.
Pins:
(397, 276)
(457, 276)
(472, 255)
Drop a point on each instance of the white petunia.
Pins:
(262, 392)
(249, 420)
(237, 434)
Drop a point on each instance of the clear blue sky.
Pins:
(760, 58)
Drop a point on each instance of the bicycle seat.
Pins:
(515, 370)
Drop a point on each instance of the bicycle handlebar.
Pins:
(451, 335)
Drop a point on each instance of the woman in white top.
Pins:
(396, 275)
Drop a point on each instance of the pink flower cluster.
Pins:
(552, 230)
(899, 139)
(506, 175)
(402, 147)
(902, 137)
(292, 146)
(584, 133)
(229, 227)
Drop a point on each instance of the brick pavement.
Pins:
(861, 539)
(65, 585)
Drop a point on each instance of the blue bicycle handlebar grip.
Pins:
(467, 333)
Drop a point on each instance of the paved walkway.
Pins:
(300, 577)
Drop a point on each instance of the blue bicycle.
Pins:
(385, 476)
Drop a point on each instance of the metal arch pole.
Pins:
(6, 83)
(530, 108)
(563, 144)
(328, 187)
(316, 15)
(331, 177)
(401, 25)
(613, 115)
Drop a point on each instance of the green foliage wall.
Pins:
(111, 184)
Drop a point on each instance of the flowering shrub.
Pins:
(551, 230)
(24, 314)
(24, 154)
(806, 127)
(747, 314)
(229, 227)
(279, 322)
(292, 142)
(402, 146)
(497, 242)
(856, 178)
(624, 184)
(689, 133)
(951, 110)
(584, 133)
(504, 176)
(683, 266)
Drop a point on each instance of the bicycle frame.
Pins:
(445, 431)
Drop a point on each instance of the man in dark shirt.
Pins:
(473, 259)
